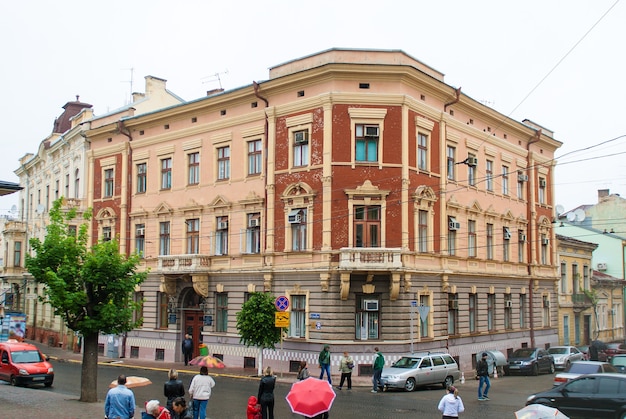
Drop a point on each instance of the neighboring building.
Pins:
(354, 182)
(607, 215)
(6, 188)
(609, 308)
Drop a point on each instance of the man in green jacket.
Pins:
(324, 361)
(379, 363)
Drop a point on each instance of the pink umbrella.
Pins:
(311, 397)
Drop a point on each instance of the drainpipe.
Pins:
(531, 235)
(457, 93)
(265, 157)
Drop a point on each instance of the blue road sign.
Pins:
(282, 303)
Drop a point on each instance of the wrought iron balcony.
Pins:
(370, 258)
(184, 263)
(581, 300)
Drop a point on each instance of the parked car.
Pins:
(421, 369)
(565, 355)
(588, 396)
(585, 350)
(576, 369)
(619, 362)
(529, 361)
(23, 364)
(613, 349)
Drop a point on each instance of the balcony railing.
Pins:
(580, 299)
(184, 263)
(377, 258)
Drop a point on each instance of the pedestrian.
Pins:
(482, 371)
(180, 409)
(187, 348)
(303, 371)
(254, 408)
(155, 410)
(200, 392)
(379, 363)
(266, 394)
(451, 404)
(346, 363)
(120, 401)
(173, 388)
(324, 362)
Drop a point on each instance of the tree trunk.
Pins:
(260, 369)
(89, 373)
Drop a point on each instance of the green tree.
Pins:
(255, 323)
(91, 289)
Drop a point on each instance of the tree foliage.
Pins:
(255, 321)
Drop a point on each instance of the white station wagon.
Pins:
(422, 369)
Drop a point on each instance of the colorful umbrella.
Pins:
(311, 397)
(133, 381)
(539, 411)
(207, 361)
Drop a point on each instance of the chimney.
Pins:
(153, 84)
(602, 193)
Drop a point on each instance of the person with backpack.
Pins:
(346, 364)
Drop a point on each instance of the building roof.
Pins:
(63, 122)
(9, 187)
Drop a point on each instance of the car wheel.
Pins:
(48, 384)
(535, 370)
(410, 384)
(552, 369)
(447, 382)
(13, 381)
(567, 365)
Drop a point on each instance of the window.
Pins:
(489, 175)
(471, 170)
(254, 157)
(67, 185)
(138, 313)
(297, 320)
(367, 317)
(297, 219)
(520, 245)
(76, 184)
(451, 164)
(545, 314)
(140, 238)
(508, 311)
(253, 233)
(586, 277)
(575, 279)
(194, 168)
(221, 236)
(223, 163)
(520, 186)
(163, 312)
(563, 278)
(542, 190)
(452, 242)
(106, 234)
(72, 230)
(453, 314)
(522, 311)
(491, 315)
(473, 307)
(221, 312)
(108, 182)
(193, 236)
(164, 238)
(424, 302)
(544, 249)
(367, 226)
(17, 254)
(142, 173)
(166, 173)
(422, 151)
(56, 189)
(301, 148)
(505, 180)
(366, 138)
(471, 238)
(506, 244)
(489, 241)
(422, 231)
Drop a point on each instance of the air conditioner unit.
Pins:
(522, 177)
(254, 222)
(222, 225)
(545, 242)
(301, 137)
(542, 183)
(601, 266)
(507, 233)
(508, 304)
(370, 305)
(522, 237)
(453, 224)
(141, 231)
(295, 218)
(371, 131)
(472, 161)
(546, 303)
(453, 304)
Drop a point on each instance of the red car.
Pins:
(613, 349)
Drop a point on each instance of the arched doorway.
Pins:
(193, 317)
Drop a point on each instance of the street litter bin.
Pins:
(495, 359)
(204, 350)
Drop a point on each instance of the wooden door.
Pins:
(194, 321)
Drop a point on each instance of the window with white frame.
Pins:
(521, 245)
(545, 313)
(575, 279)
(422, 231)
(164, 238)
(17, 254)
(142, 177)
(452, 242)
(422, 151)
(301, 148)
(140, 239)
(193, 168)
(254, 157)
(108, 183)
(166, 173)
(424, 301)
(223, 163)
(471, 238)
(542, 190)
(366, 139)
(297, 219)
(522, 311)
(506, 242)
(563, 278)
(367, 225)
(253, 232)
(221, 236)
(491, 315)
(106, 234)
(586, 284)
(450, 162)
(453, 313)
(505, 180)
(473, 308)
(77, 184)
(193, 236)
(297, 319)
(520, 185)
(544, 249)
(471, 169)
(489, 175)
(489, 241)
(221, 312)
(367, 317)
(508, 311)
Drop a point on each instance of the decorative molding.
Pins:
(367, 113)
(201, 285)
(253, 132)
(294, 121)
(424, 123)
(191, 144)
(324, 281)
(345, 286)
(219, 288)
(169, 149)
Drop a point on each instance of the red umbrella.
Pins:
(311, 397)
(207, 361)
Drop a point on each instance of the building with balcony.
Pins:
(358, 184)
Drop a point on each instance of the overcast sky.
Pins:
(557, 63)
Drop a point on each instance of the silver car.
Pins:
(565, 355)
(421, 369)
(578, 368)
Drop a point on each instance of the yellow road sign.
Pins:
(282, 319)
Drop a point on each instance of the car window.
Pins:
(406, 362)
(583, 368)
(5, 357)
(23, 357)
(523, 353)
(425, 363)
(437, 360)
(619, 360)
(610, 385)
(449, 360)
(583, 385)
(557, 350)
(574, 350)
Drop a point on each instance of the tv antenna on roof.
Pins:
(214, 77)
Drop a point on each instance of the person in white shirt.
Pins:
(451, 404)
(200, 392)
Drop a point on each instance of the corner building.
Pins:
(390, 208)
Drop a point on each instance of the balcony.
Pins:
(184, 263)
(581, 301)
(370, 258)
